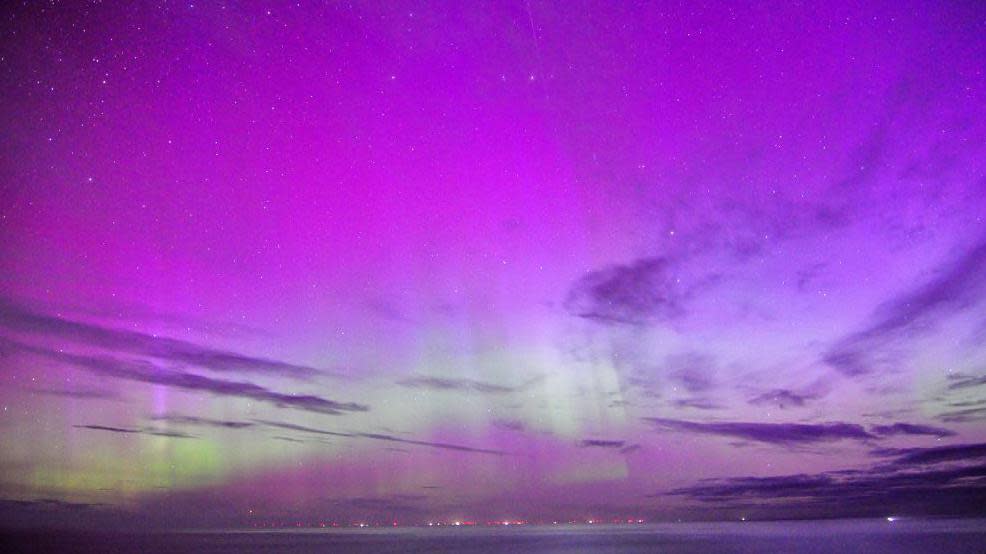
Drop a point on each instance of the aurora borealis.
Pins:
(428, 261)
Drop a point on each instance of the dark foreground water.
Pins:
(868, 536)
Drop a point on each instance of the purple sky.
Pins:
(543, 260)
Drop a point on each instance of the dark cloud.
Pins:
(439, 445)
(807, 275)
(782, 398)
(946, 479)
(79, 394)
(508, 424)
(597, 443)
(148, 373)
(48, 503)
(456, 384)
(305, 429)
(934, 455)
(387, 308)
(773, 433)
(630, 448)
(962, 381)
(637, 293)
(693, 371)
(964, 415)
(379, 437)
(141, 431)
(696, 403)
(22, 320)
(842, 487)
(393, 504)
(202, 421)
(302, 428)
(957, 287)
(911, 429)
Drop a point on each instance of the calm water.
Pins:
(869, 536)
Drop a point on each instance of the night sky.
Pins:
(428, 261)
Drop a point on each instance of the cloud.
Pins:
(596, 443)
(16, 318)
(443, 383)
(911, 429)
(962, 381)
(934, 455)
(957, 287)
(692, 370)
(439, 445)
(782, 398)
(392, 504)
(637, 293)
(302, 428)
(80, 394)
(508, 424)
(312, 430)
(48, 503)
(944, 479)
(148, 373)
(697, 403)
(141, 431)
(964, 415)
(380, 437)
(886, 488)
(202, 421)
(772, 433)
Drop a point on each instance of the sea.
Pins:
(871, 536)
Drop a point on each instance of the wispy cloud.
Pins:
(964, 415)
(148, 373)
(79, 394)
(598, 443)
(390, 504)
(509, 424)
(843, 487)
(202, 421)
(782, 398)
(958, 286)
(139, 431)
(962, 381)
(439, 445)
(911, 429)
(456, 384)
(637, 293)
(46, 326)
(288, 426)
(773, 433)
(379, 437)
(925, 478)
(934, 455)
(302, 428)
(697, 403)
(692, 370)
